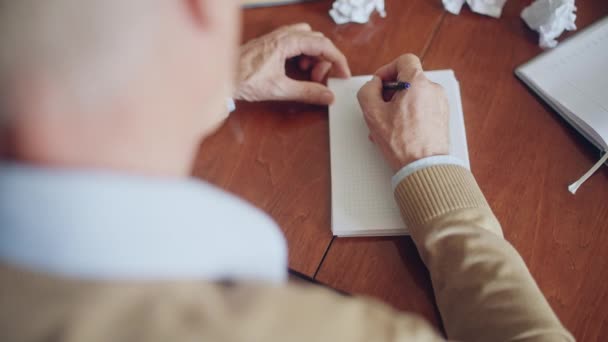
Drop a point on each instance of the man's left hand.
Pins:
(262, 75)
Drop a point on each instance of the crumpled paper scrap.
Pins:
(492, 8)
(356, 11)
(550, 18)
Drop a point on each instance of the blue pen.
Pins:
(396, 85)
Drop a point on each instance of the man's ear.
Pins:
(199, 11)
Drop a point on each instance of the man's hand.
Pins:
(262, 74)
(413, 123)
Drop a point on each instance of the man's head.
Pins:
(122, 84)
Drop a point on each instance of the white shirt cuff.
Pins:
(230, 105)
(423, 164)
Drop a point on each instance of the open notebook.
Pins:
(361, 193)
(573, 79)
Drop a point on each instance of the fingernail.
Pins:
(327, 97)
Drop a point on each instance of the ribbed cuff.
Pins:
(437, 190)
(423, 164)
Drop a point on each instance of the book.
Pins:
(362, 201)
(573, 79)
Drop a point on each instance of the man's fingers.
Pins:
(371, 93)
(320, 71)
(318, 46)
(402, 69)
(283, 30)
(410, 69)
(388, 72)
(287, 29)
(307, 92)
(306, 62)
(298, 27)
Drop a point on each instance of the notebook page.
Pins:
(362, 197)
(575, 76)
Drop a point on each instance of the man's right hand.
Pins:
(414, 123)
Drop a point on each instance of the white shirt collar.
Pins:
(97, 225)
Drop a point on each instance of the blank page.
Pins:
(362, 197)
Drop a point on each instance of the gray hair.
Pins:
(85, 46)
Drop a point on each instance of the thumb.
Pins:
(371, 93)
(307, 92)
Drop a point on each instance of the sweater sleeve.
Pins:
(483, 288)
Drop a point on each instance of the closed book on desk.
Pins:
(361, 194)
(573, 79)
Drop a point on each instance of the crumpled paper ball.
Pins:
(550, 18)
(492, 8)
(356, 11)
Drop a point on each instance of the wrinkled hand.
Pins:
(414, 123)
(262, 74)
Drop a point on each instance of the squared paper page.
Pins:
(362, 197)
(574, 76)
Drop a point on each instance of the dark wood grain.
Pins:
(388, 269)
(277, 155)
(524, 156)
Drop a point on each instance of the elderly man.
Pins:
(103, 237)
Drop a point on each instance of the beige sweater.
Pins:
(482, 286)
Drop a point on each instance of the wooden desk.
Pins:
(522, 153)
